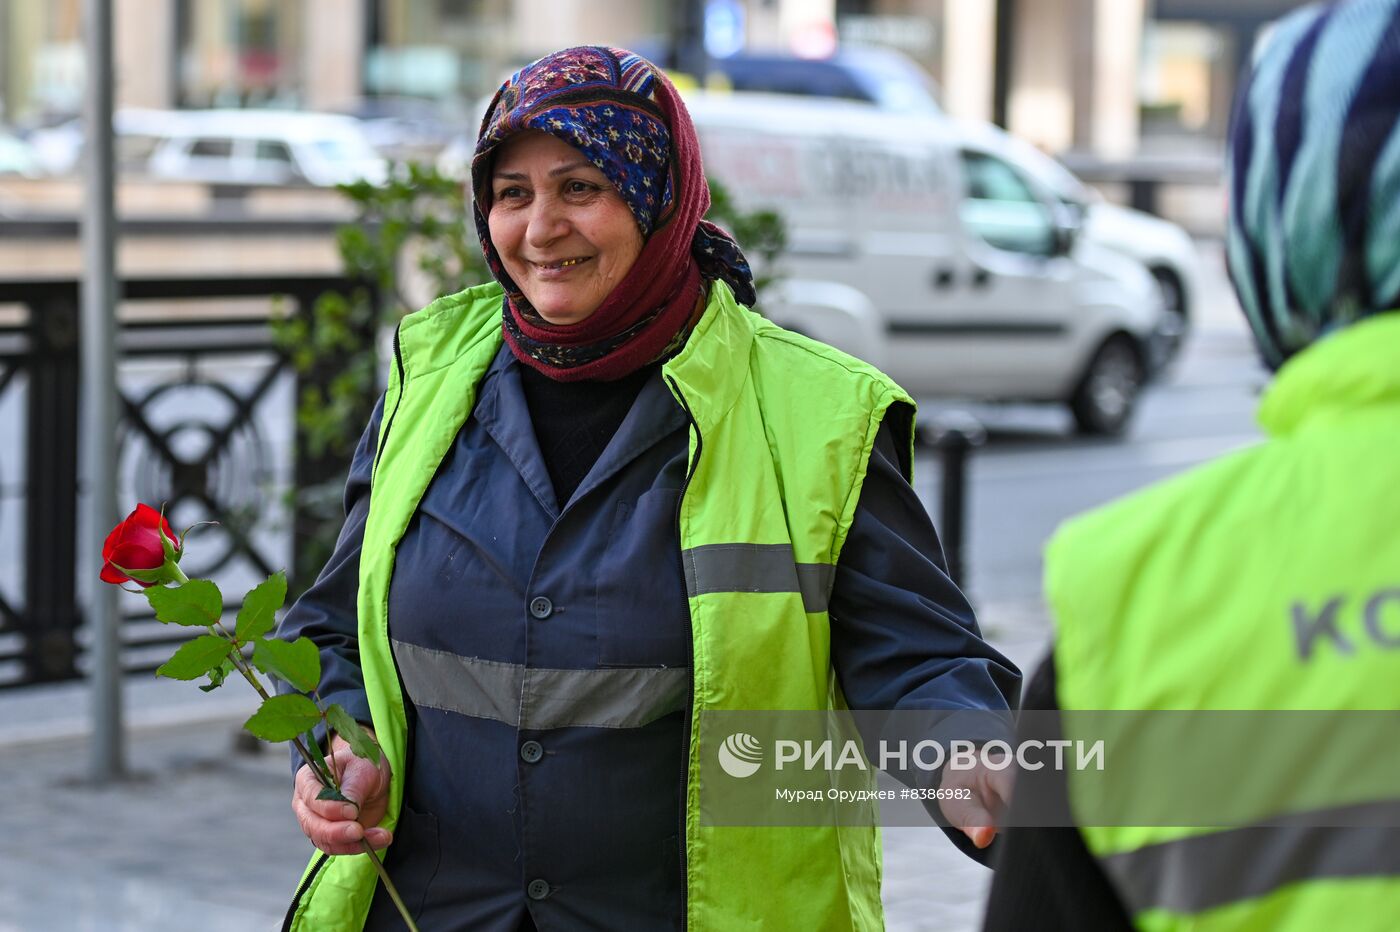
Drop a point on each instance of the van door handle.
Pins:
(943, 278)
(981, 278)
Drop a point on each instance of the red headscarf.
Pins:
(620, 111)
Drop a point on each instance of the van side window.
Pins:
(211, 149)
(270, 150)
(1002, 209)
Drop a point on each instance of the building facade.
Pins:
(1107, 77)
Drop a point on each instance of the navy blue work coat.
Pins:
(582, 827)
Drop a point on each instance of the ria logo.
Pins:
(740, 755)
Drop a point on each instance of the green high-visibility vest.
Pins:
(781, 432)
(1203, 593)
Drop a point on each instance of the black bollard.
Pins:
(954, 435)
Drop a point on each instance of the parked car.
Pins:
(883, 77)
(17, 157)
(932, 253)
(1163, 247)
(135, 131)
(266, 147)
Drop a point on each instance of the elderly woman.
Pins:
(599, 498)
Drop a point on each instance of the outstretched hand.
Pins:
(339, 827)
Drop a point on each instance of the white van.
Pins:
(936, 257)
(1163, 247)
(265, 147)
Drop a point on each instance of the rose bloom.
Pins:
(135, 545)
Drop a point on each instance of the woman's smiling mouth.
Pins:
(560, 265)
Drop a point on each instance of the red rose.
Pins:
(135, 545)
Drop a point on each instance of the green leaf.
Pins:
(332, 793)
(297, 663)
(360, 741)
(195, 604)
(320, 766)
(259, 612)
(218, 675)
(167, 546)
(204, 654)
(157, 576)
(282, 718)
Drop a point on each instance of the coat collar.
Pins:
(502, 411)
(1357, 366)
(714, 364)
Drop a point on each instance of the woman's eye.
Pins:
(580, 187)
(506, 194)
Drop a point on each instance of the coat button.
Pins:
(541, 607)
(531, 752)
(538, 889)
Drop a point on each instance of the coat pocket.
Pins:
(412, 863)
(643, 616)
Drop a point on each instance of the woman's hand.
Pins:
(977, 817)
(336, 827)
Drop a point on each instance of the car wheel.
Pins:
(1174, 300)
(1104, 400)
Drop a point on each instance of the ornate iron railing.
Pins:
(207, 429)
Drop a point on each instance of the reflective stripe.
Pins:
(1191, 875)
(536, 698)
(756, 568)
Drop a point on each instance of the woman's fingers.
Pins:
(337, 836)
(362, 782)
(972, 818)
(988, 793)
(332, 825)
(308, 788)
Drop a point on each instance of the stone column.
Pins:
(144, 40)
(1041, 107)
(1075, 75)
(969, 49)
(23, 33)
(333, 53)
(543, 26)
(1114, 117)
(761, 24)
(1081, 40)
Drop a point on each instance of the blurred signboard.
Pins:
(917, 35)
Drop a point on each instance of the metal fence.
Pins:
(207, 429)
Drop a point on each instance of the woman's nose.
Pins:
(547, 222)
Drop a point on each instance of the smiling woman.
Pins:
(581, 134)
(599, 500)
(562, 230)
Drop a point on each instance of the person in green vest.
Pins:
(601, 500)
(1269, 579)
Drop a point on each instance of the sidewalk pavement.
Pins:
(202, 835)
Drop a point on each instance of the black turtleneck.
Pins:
(575, 420)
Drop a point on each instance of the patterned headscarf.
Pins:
(617, 109)
(1314, 176)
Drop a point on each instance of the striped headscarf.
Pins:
(1314, 176)
(618, 110)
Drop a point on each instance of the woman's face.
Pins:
(561, 229)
